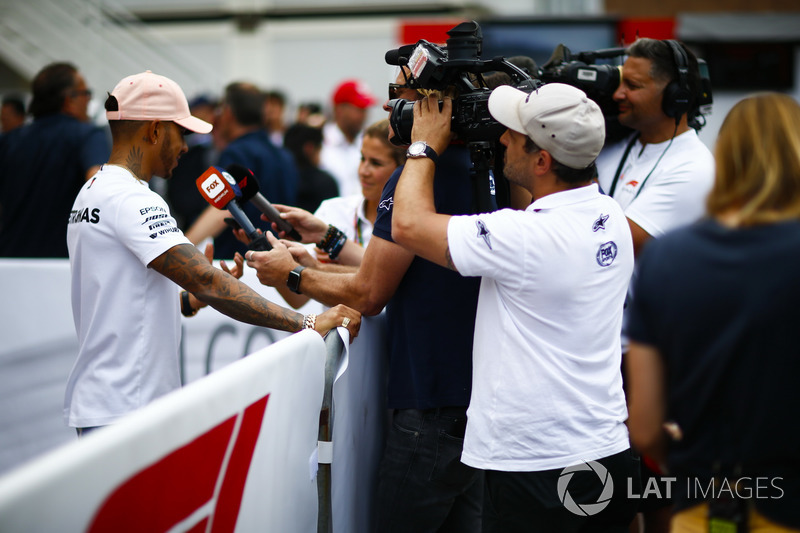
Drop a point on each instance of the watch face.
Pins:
(294, 279)
(416, 149)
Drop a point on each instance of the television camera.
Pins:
(458, 67)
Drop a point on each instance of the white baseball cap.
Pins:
(557, 117)
(147, 96)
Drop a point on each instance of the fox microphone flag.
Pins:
(220, 190)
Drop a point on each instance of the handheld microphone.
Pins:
(248, 184)
(220, 190)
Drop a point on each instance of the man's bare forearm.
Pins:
(332, 288)
(186, 266)
(248, 306)
(336, 268)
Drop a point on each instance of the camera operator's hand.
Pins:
(431, 124)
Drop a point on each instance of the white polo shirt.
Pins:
(547, 390)
(661, 186)
(127, 316)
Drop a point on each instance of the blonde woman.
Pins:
(713, 360)
(353, 216)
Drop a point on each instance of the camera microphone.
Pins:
(248, 184)
(399, 56)
(219, 189)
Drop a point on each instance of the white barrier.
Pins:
(204, 454)
(36, 320)
(39, 347)
(37, 350)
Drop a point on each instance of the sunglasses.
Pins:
(395, 88)
(84, 92)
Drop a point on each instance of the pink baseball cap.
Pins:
(354, 92)
(148, 96)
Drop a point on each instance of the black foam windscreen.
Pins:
(246, 181)
(399, 56)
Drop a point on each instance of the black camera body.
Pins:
(456, 65)
(600, 81)
(459, 65)
(471, 120)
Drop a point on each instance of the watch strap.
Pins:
(294, 279)
(186, 305)
(429, 152)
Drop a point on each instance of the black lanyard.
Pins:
(622, 164)
(625, 157)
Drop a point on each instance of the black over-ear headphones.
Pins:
(677, 95)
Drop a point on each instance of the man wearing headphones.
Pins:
(662, 172)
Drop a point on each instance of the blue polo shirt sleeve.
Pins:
(383, 221)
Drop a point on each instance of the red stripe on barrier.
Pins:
(170, 490)
(200, 527)
(230, 497)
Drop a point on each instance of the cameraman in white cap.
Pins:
(547, 391)
(127, 254)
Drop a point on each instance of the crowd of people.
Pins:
(318, 160)
(610, 352)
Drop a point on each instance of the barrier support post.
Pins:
(334, 347)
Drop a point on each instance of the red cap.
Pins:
(354, 92)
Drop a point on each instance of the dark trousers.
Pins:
(558, 502)
(423, 485)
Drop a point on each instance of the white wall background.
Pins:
(305, 58)
(304, 55)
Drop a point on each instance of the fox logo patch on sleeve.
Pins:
(606, 253)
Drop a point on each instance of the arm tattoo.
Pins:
(188, 267)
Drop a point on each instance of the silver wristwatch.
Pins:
(421, 149)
